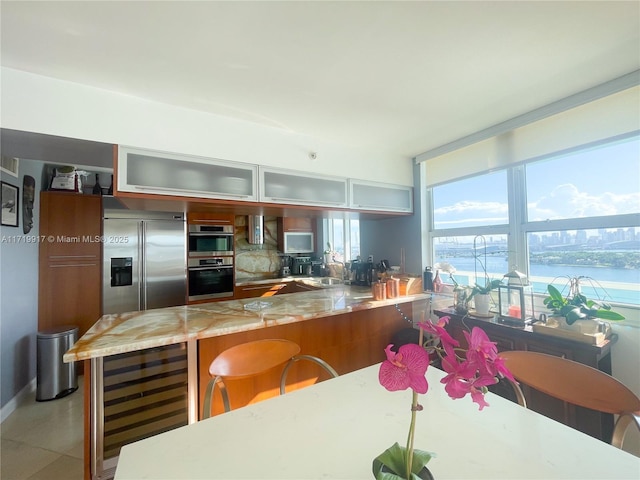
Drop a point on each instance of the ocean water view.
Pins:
(616, 285)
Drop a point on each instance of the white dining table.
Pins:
(334, 429)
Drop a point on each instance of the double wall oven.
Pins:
(210, 262)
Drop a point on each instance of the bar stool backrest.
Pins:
(577, 384)
(251, 359)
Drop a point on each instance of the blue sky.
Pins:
(599, 181)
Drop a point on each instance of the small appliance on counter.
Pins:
(317, 268)
(301, 266)
(285, 266)
(362, 273)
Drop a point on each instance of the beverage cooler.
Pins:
(134, 396)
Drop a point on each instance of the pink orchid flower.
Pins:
(462, 379)
(458, 373)
(405, 369)
(483, 353)
(478, 389)
(469, 371)
(438, 329)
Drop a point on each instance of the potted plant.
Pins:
(481, 295)
(577, 306)
(461, 295)
(469, 371)
(328, 254)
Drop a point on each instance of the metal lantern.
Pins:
(516, 299)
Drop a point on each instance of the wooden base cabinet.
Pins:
(347, 342)
(70, 260)
(596, 424)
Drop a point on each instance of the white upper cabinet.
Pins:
(380, 196)
(302, 188)
(148, 171)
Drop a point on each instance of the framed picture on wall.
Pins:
(10, 204)
(9, 165)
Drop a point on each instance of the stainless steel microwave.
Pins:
(298, 242)
(210, 240)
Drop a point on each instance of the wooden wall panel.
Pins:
(70, 260)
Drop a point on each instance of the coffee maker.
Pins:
(285, 266)
(300, 265)
(362, 273)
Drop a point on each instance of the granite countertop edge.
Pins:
(133, 331)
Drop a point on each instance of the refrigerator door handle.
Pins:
(142, 269)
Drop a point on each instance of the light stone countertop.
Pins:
(334, 429)
(132, 331)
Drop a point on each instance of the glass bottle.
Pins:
(97, 189)
(427, 280)
(437, 283)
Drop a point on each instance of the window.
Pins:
(600, 181)
(607, 256)
(344, 236)
(475, 201)
(471, 257)
(570, 214)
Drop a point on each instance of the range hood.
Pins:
(255, 229)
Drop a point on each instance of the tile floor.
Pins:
(44, 440)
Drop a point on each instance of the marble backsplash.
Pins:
(257, 261)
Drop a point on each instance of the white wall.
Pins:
(40, 104)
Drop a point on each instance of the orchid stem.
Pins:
(414, 409)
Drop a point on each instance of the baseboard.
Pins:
(21, 397)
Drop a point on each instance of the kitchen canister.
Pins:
(379, 290)
(393, 287)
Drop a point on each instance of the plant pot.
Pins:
(460, 301)
(424, 474)
(589, 326)
(482, 302)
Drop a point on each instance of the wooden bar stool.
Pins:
(251, 359)
(577, 384)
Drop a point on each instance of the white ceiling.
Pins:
(403, 77)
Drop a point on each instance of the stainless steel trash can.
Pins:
(55, 379)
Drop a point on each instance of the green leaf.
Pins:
(573, 314)
(555, 294)
(608, 315)
(578, 308)
(393, 458)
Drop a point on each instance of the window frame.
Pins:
(519, 227)
(329, 234)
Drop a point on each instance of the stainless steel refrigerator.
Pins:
(145, 265)
(144, 260)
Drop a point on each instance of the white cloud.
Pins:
(563, 201)
(567, 201)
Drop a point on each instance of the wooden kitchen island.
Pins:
(146, 371)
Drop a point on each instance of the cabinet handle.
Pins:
(382, 207)
(200, 221)
(74, 265)
(70, 257)
(307, 202)
(182, 190)
(210, 267)
(246, 289)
